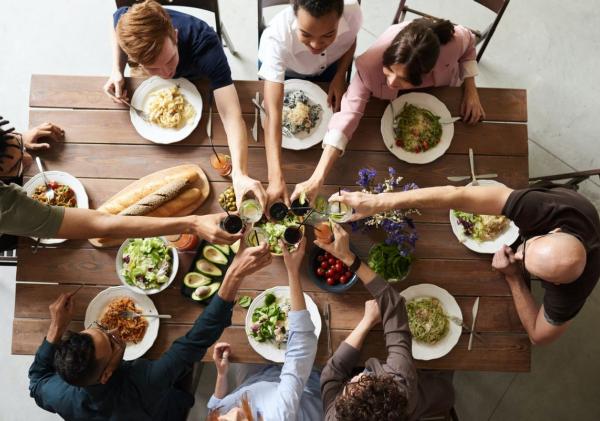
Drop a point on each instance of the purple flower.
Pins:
(365, 177)
(392, 172)
(378, 188)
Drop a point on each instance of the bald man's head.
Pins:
(559, 258)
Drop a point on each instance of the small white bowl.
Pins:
(150, 291)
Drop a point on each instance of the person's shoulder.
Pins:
(181, 20)
(118, 13)
(374, 54)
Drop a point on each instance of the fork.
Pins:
(141, 114)
(134, 315)
(286, 132)
(459, 321)
(472, 165)
(327, 317)
(255, 126)
(49, 191)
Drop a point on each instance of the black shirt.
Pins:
(537, 211)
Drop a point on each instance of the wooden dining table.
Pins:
(102, 149)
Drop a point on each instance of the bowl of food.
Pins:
(147, 265)
(275, 231)
(329, 273)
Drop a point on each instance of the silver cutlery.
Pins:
(472, 165)
(141, 114)
(327, 316)
(286, 132)
(49, 190)
(474, 312)
(134, 315)
(458, 178)
(451, 120)
(460, 322)
(255, 126)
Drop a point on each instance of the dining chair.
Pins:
(482, 37)
(208, 5)
(569, 180)
(263, 4)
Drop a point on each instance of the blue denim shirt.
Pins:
(284, 393)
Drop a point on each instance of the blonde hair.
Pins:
(142, 30)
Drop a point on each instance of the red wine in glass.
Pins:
(292, 235)
(300, 209)
(232, 224)
(278, 211)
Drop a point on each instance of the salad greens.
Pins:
(481, 227)
(245, 301)
(417, 129)
(146, 263)
(275, 230)
(269, 322)
(386, 260)
(427, 320)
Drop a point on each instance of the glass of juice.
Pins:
(255, 237)
(278, 211)
(183, 242)
(251, 211)
(293, 235)
(323, 232)
(232, 224)
(221, 163)
(300, 208)
(339, 212)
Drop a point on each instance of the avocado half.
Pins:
(223, 248)
(204, 292)
(235, 247)
(208, 269)
(195, 280)
(214, 255)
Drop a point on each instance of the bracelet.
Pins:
(355, 265)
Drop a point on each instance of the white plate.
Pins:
(97, 306)
(317, 95)
(508, 237)
(62, 178)
(269, 350)
(423, 351)
(150, 291)
(153, 132)
(422, 100)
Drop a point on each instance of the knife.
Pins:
(472, 165)
(467, 177)
(474, 312)
(326, 316)
(255, 127)
(450, 121)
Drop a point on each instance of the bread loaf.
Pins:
(181, 202)
(156, 199)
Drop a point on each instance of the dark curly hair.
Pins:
(373, 397)
(417, 46)
(75, 359)
(5, 134)
(319, 8)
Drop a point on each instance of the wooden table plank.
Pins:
(54, 91)
(98, 161)
(499, 352)
(33, 300)
(114, 127)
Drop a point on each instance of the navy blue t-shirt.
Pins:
(201, 54)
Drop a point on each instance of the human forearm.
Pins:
(357, 337)
(345, 61)
(326, 162)
(469, 84)
(296, 293)
(525, 304)
(273, 105)
(228, 105)
(55, 333)
(230, 285)
(221, 386)
(87, 223)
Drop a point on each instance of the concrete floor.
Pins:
(545, 47)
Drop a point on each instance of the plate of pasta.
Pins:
(68, 192)
(138, 333)
(173, 106)
(430, 310)
(305, 114)
(412, 130)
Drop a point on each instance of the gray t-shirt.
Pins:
(24, 216)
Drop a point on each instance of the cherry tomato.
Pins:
(53, 184)
(329, 273)
(337, 276)
(320, 258)
(343, 279)
(320, 271)
(331, 261)
(348, 274)
(330, 281)
(324, 265)
(339, 266)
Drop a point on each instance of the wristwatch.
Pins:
(355, 265)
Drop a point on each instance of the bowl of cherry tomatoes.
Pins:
(328, 272)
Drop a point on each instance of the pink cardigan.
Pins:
(456, 61)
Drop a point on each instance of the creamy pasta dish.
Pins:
(168, 108)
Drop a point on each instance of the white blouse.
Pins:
(281, 51)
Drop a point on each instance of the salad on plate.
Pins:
(147, 263)
(482, 227)
(270, 321)
(275, 229)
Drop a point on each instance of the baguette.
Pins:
(156, 199)
(181, 202)
(123, 200)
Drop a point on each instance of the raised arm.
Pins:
(277, 190)
(489, 200)
(228, 105)
(337, 87)
(87, 223)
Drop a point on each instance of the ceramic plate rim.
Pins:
(423, 100)
(132, 351)
(266, 350)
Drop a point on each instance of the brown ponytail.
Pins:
(417, 46)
